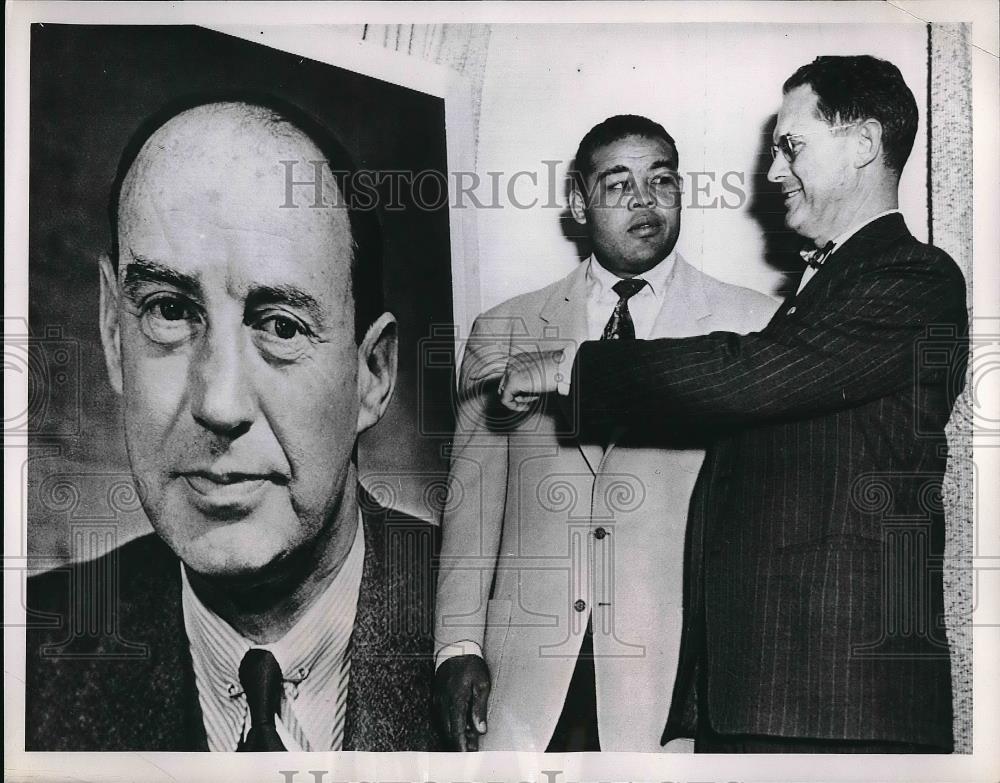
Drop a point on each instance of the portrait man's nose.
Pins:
(222, 392)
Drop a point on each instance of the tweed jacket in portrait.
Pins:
(122, 680)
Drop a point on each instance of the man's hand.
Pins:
(461, 693)
(530, 375)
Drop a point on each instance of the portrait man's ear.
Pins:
(869, 142)
(109, 323)
(377, 359)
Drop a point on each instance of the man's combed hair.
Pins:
(613, 129)
(366, 231)
(862, 87)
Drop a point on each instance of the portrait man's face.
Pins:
(229, 331)
(819, 181)
(633, 213)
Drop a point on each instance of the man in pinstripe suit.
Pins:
(814, 601)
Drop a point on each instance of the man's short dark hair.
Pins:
(366, 231)
(613, 129)
(861, 87)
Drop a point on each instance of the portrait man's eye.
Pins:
(281, 336)
(168, 319)
(285, 328)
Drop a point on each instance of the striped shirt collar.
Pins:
(313, 656)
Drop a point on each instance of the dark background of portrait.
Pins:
(91, 86)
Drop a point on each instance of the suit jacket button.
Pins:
(791, 310)
(580, 604)
(600, 533)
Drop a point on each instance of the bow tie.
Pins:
(816, 256)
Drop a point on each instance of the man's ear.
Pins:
(869, 142)
(110, 336)
(578, 204)
(377, 359)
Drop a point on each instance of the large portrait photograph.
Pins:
(552, 399)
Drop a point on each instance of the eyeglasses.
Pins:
(787, 145)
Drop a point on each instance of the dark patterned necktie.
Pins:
(816, 256)
(620, 326)
(260, 677)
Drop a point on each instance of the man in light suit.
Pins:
(815, 613)
(559, 603)
(276, 606)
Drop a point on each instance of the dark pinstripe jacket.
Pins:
(123, 681)
(813, 596)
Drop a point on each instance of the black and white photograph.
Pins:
(578, 392)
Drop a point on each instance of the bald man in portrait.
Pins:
(276, 606)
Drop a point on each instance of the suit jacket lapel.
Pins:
(849, 259)
(389, 662)
(685, 304)
(367, 641)
(149, 702)
(565, 316)
(180, 719)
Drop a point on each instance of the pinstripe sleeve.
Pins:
(856, 345)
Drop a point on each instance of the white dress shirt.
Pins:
(837, 242)
(313, 656)
(644, 307)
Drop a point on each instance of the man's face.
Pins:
(633, 212)
(238, 364)
(819, 183)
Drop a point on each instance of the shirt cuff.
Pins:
(464, 647)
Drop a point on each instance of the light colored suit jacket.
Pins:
(546, 526)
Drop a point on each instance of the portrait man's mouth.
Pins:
(228, 493)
